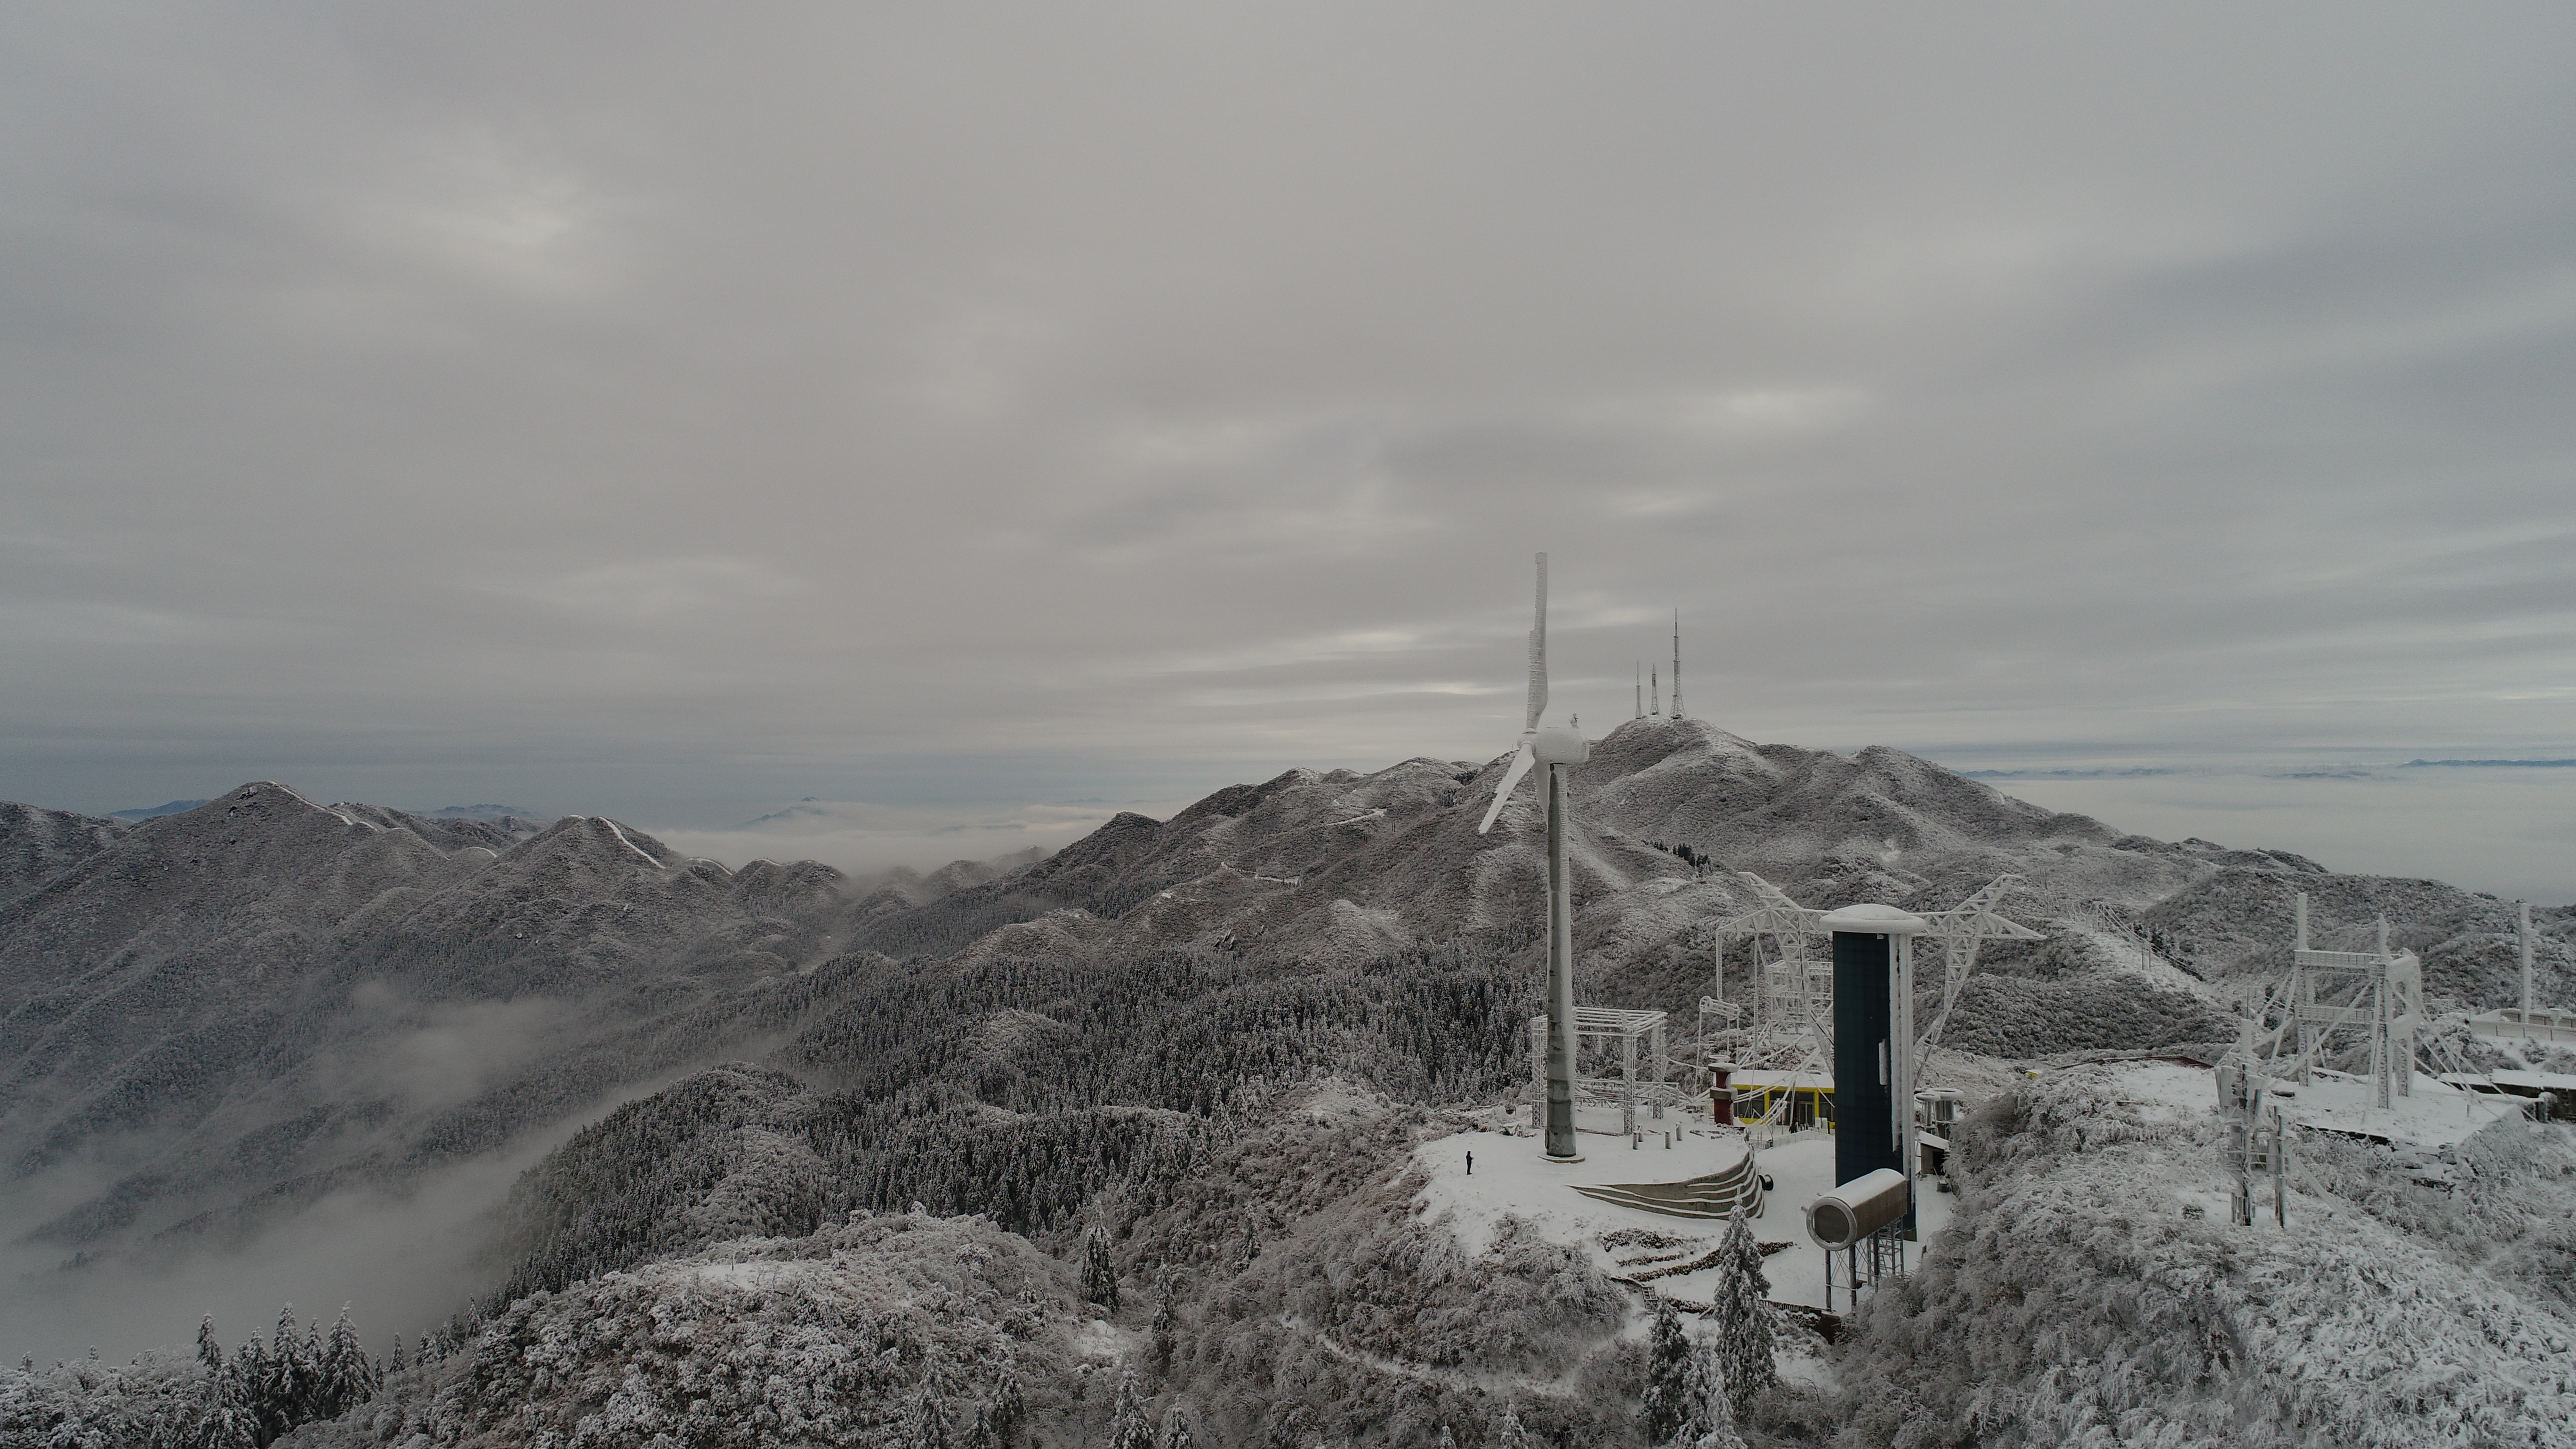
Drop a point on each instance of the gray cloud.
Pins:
(663, 411)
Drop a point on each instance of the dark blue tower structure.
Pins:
(1873, 1039)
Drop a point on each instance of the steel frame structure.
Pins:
(2378, 994)
(1631, 1030)
(1793, 1007)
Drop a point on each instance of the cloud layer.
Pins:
(955, 409)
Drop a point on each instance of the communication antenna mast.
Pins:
(1655, 692)
(1641, 689)
(1677, 664)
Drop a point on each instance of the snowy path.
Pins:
(1561, 1386)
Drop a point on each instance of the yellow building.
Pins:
(1809, 1098)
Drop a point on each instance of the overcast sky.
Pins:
(671, 412)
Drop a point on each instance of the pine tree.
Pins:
(209, 1352)
(251, 1372)
(1176, 1431)
(1008, 1407)
(395, 1364)
(1667, 1401)
(1129, 1427)
(1710, 1422)
(1099, 1274)
(1740, 1311)
(228, 1421)
(979, 1434)
(1167, 1325)
(929, 1427)
(1447, 1440)
(345, 1376)
(1717, 1427)
(1510, 1434)
(308, 1355)
(282, 1399)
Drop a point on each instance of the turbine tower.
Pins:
(1555, 749)
(1677, 664)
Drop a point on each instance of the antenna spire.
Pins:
(1677, 664)
(1641, 689)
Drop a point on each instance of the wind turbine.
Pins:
(1556, 749)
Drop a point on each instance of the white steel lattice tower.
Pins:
(1677, 664)
(2378, 994)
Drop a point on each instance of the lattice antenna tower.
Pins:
(1677, 664)
(2332, 996)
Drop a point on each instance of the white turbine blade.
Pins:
(1538, 653)
(1521, 763)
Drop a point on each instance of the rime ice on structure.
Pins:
(1792, 1047)
(2377, 994)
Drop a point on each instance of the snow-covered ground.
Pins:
(1513, 1178)
(2437, 1115)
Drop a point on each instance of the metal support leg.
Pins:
(1663, 1072)
(1538, 1070)
(1628, 1083)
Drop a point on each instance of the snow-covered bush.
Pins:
(828, 1339)
(2072, 1302)
(1369, 1325)
(2014, 1016)
(156, 1399)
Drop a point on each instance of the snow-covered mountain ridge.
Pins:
(246, 1007)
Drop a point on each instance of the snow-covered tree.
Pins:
(209, 1352)
(394, 1364)
(1176, 1430)
(1008, 1407)
(979, 1431)
(345, 1376)
(929, 1426)
(1740, 1312)
(1709, 1422)
(1167, 1325)
(1129, 1426)
(1446, 1440)
(1510, 1434)
(229, 1421)
(1667, 1403)
(1099, 1274)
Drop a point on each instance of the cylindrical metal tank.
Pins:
(1856, 1209)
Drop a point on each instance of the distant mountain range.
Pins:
(172, 808)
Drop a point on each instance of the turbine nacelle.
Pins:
(1560, 747)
